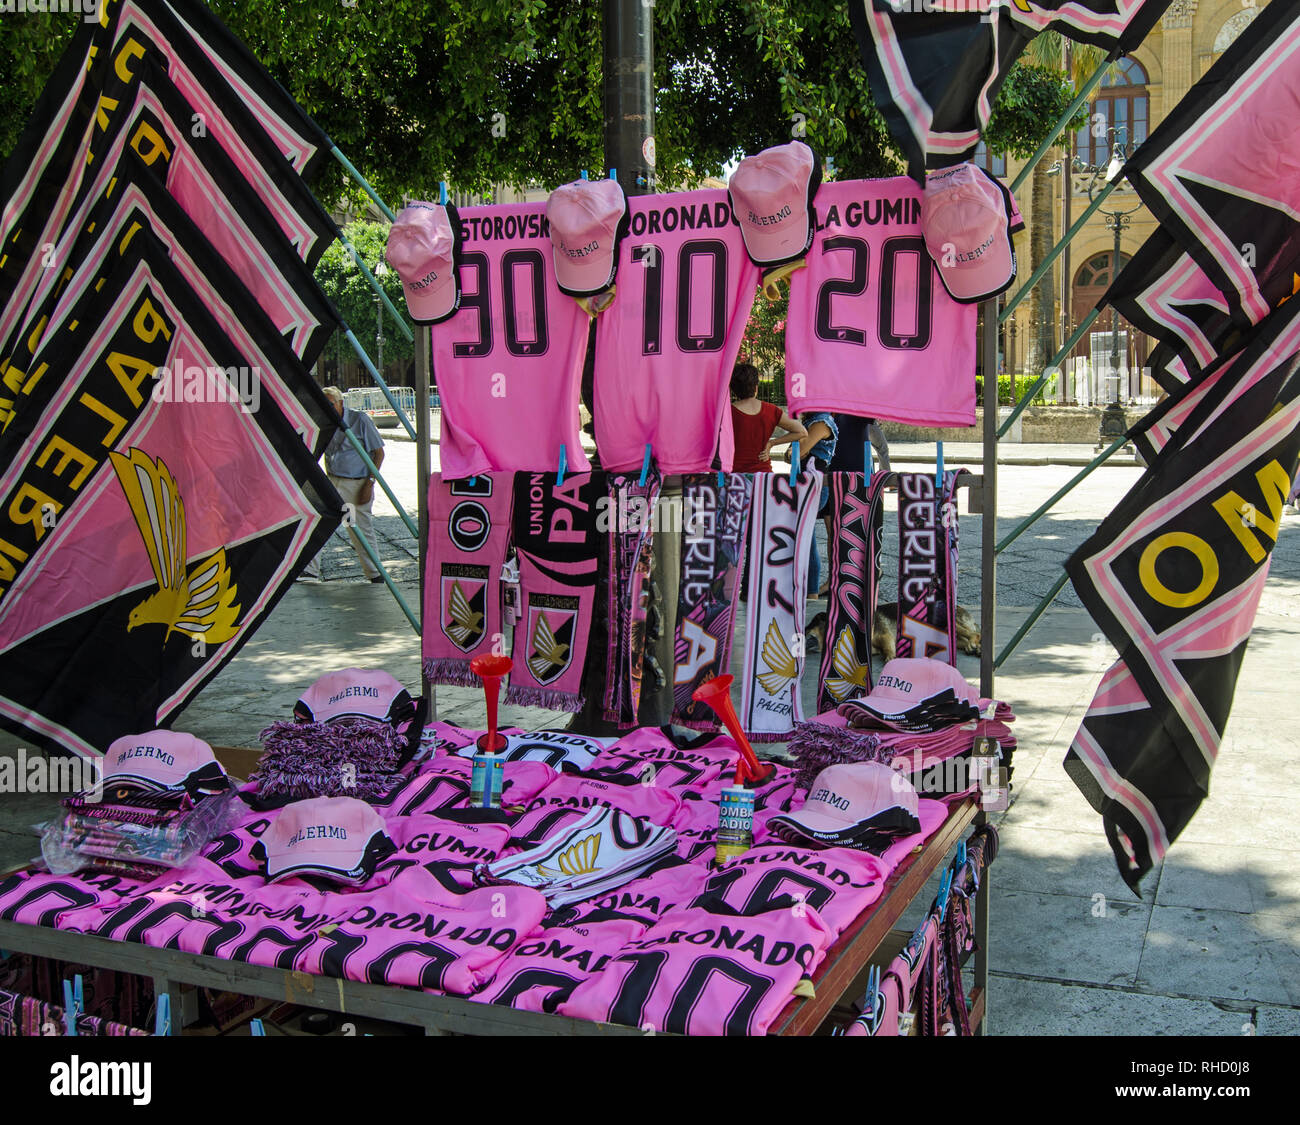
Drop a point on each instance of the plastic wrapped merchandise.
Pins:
(149, 830)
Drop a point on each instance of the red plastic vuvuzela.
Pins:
(490, 669)
(717, 694)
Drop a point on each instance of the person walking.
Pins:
(351, 477)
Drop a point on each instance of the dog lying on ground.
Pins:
(884, 631)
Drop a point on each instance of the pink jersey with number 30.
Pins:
(509, 363)
(666, 347)
(871, 329)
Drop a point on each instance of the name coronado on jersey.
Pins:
(736, 939)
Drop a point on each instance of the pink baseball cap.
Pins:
(966, 218)
(424, 249)
(336, 838)
(912, 694)
(588, 220)
(355, 693)
(856, 804)
(771, 197)
(160, 760)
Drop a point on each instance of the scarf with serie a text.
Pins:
(630, 531)
(469, 534)
(558, 545)
(715, 523)
(927, 567)
(782, 520)
(854, 542)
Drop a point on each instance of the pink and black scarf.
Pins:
(715, 523)
(782, 521)
(854, 542)
(469, 534)
(558, 545)
(631, 537)
(927, 567)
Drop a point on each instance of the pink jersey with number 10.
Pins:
(871, 330)
(508, 365)
(666, 347)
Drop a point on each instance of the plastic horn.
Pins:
(490, 669)
(717, 694)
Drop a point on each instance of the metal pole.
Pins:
(1114, 318)
(423, 358)
(360, 179)
(1082, 97)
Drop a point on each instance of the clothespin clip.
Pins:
(564, 465)
(945, 888)
(162, 1024)
(938, 467)
(873, 993)
(722, 479)
(471, 481)
(645, 465)
(613, 173)
(794, 463)
(866, 463)
(442, 192)
(256, 1027)
(960, 861)
(72, 1001)
(583, 173)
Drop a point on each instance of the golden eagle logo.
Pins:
(848, 673)
(781, 662)
(197, 601)
(580, 859)
(464, 624)
(548, 657)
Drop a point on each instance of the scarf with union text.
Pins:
(782, 521)
(558, 543)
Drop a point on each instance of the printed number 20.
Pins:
(652, 259)
(856, 285)
(514, 263)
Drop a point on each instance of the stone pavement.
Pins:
(1211, 948)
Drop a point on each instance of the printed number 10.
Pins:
(651, 258)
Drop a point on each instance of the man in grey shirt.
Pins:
(349, 474)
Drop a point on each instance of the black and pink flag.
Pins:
(1173, 577)
(935, 66)
(156, 505)
(275, 142)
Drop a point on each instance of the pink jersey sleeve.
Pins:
(871, 329)
(570, 797)
(666, 347)
(508, 365)
(65, 902)
(697, 973)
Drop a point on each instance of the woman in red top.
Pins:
(753, 423)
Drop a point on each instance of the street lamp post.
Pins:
(1113, 422)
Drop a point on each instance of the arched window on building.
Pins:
(994, 165)
(1122, 103)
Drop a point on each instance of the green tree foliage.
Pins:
(343, 282)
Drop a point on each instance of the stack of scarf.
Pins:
(715, 523)
(558, 544)
(469, 534)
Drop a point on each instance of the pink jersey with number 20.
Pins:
(666, 347)
(509, 363)
(871, 330)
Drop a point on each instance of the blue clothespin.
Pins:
(613, 173)
(471, 481)
(583, 173)
(794, 462)
(645, 465)
(442, 192)
(938, 466)
(866, 463)
(722, 479)
(162, 1024)
(945, 888)
(564, 464)
(960, 861)
(72, 1004)
(255, 1027)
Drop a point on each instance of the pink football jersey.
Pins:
(570, 796)
(65, 902)
(666, 346)
(649, 756)
(508, 365)
(697, 973)
(871, 329)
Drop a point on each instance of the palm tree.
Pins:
(1078, 61)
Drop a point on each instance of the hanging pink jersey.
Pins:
(571, 796)
(544, 969)
(696, 973)
(508, 365)
(871, 330)
(415, 932)
(666, 346)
